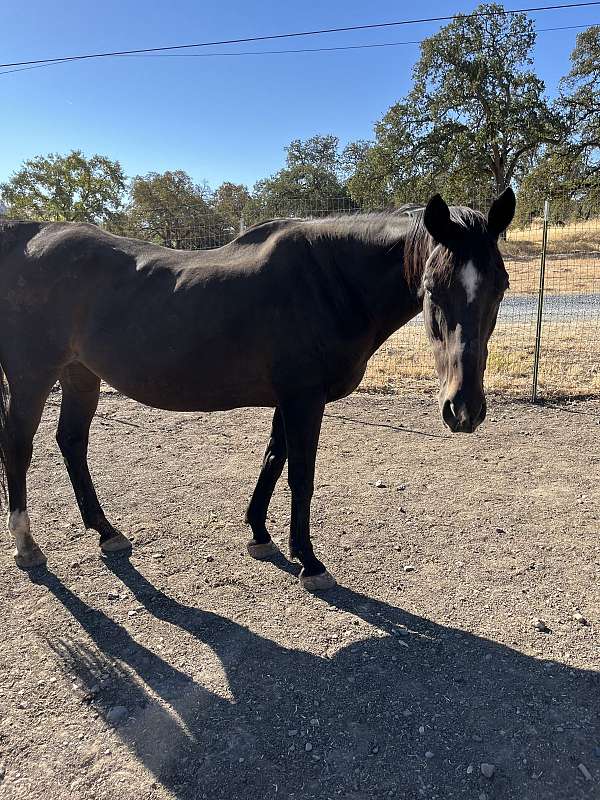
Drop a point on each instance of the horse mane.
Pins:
(408, 209)
(381, 228)
(402, 227)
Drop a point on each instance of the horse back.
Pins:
(15, 233)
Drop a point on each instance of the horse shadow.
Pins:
(408, 714)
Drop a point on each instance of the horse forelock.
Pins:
(421, 250)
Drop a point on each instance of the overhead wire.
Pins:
(317, 32)
(272, 52)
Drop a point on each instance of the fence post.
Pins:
(540, 308)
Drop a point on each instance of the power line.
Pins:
(319, 49)
(276, 52)
(502, 12)
(35, 66)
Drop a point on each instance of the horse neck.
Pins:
(375, 272)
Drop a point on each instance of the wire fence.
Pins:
(548, 330)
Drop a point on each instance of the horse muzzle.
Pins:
(460, 417)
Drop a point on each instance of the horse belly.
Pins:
(183, 379)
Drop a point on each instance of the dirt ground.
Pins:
(190, 671)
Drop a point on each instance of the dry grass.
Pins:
(569, 363)
(568, 274)
(581, 235)
(572, 262)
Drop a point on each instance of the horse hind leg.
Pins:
(20, 418)
(261, 546)
(80, 394)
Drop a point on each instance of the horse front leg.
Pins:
(302, 417)
(261, 546)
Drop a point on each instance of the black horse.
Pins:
(285, 316)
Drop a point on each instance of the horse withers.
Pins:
(285, 316)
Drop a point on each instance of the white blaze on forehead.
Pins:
(470, 279)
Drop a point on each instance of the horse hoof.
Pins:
(30, 558)
(115, 544)
(318, 583)
(262, 551)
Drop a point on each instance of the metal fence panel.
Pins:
(570, 330)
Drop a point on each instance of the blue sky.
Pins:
(217, 118)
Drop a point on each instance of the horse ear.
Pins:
(437, 219)
(501, 212)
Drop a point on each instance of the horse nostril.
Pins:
(477, 419)
(449, 415)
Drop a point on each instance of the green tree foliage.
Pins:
(558, 178)
(312, 182)
(170, 209)
(229, 201)
(350, 157)
(580, 99)
(568, 174)
(474, 117)
(71, 188)
(320, 152)
(300, 189)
